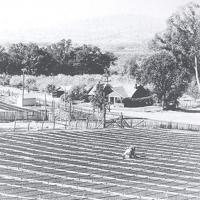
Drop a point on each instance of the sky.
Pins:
(18, 15)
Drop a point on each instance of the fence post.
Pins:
(29, 126)
(121, 121)
(70, 110)
(54, 123)
(45, 106)
(87, 121)
(14, 125)
(104, 111)
(42, 124)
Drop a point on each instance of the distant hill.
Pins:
(117, 30)
(107, 31)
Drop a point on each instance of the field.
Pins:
(88, 165)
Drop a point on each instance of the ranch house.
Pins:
(117, 95)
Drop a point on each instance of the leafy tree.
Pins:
(90, 60)
(63, 53)
(34, 59)
(4, 79)
(161, 70)
(182, 39)
(43, 63)
(131, 66)
(99, 99)
(4, 60)
(58, 58)
(50, 88)
(76, 93)
(30, 83)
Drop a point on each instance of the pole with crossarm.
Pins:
(23, 86)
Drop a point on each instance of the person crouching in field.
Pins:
(129, 153)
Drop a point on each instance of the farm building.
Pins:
(140, 92)
(115, 94)
(141, 97)
(61, 90)
(28, 100)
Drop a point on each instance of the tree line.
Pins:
(57, 58)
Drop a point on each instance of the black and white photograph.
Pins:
(99, 99)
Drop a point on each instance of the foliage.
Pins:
(57, 58)
(5, 79)
(161, 70)
(98, 100)
(50, 88)
(90, 60)
(182, 39)
(16, 81)
(30, 83)
(76, 93)
(132, 67)
(193, 90)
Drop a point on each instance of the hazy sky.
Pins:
(31, 13)
(36, 14)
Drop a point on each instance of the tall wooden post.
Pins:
(121, 121)
(104, 110)
(70, 110)
(23, 87)
(65, 100)
(45, 106)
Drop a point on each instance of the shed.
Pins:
(61, 90)
(140, 92)
(28, 100)
(141, 97)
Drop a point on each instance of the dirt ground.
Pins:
(190, 116)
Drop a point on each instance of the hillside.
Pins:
(106, 31)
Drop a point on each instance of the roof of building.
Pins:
(65, 88)
(116, 91)
(92, 91)
(120, 91)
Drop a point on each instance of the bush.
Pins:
(76, 93)
(193, 89)
(5, 79)
(30, 83)
(50, 88)
(16, 81)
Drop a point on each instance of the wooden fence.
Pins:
(8, 116)
(150, 123)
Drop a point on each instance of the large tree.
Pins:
(5, 61)
(90, 60)
(182, 38)
(63, 53)
(34, 59)
(160, 69)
